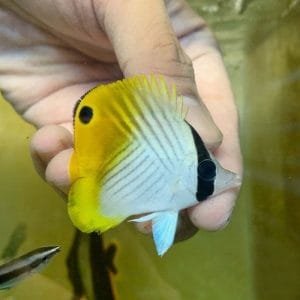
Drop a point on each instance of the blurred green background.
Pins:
(258, 255)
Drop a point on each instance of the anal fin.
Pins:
(164, 226)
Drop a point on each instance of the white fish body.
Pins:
(156, 172)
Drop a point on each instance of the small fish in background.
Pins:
(135, 154)
(20, 268)
(16, 239)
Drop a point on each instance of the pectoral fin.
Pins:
(164, 226)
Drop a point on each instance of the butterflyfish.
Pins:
(20, 268)
(134, 154)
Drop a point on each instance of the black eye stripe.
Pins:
(85, 114)
(206, 168)
(200, 147)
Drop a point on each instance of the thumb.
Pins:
(145, 43)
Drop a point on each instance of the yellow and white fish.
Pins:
(135, 154)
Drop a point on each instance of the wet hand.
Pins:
(52, 52)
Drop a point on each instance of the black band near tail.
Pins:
(206, 168)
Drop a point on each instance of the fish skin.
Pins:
(20, 268)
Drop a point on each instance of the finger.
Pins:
(185, 227)
(145, 43)
(214, 87)
(213, 214)
(210, 74)
(57, 107)
(57, 171)
(144, 227)
(46, 147)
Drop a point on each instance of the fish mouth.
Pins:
(226, 180)
(51, 251)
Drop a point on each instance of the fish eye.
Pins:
(45, 259)
(207, 170)
(85, 114)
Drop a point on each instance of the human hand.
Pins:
(52, 52)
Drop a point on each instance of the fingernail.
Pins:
(227, 219)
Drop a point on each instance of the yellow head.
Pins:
(107, 122)
(96, 139)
